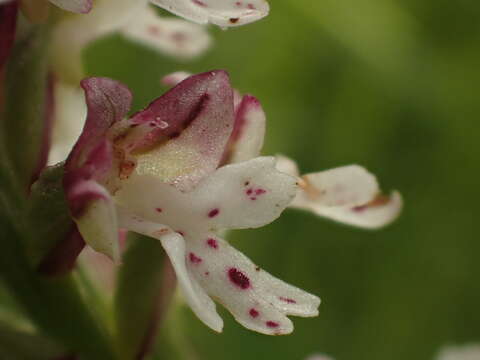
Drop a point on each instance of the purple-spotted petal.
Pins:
(348, 194)
(180, 137)
(171, 36)
(174, 245)
(378, 213)
(248, 133)
(248, 292)
(243, 195)
(225, 13)
(77, 6)
(249, 194)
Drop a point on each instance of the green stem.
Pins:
(144, 291)
(54, 305)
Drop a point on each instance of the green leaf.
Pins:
(24, 116)
(143, 294)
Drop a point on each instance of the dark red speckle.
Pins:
(213, 213)
(260, 191)
(234, 20)
(287, 300)
(253, 313)
(207, 273)
(272, 324)
(249, 191)
(247, 183)
(199, 3)
(159, 210)
(239, 278)
(251, 6)
(212, 243)
(194, 258)
(180, 232)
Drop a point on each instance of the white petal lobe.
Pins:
(243, 288)
(224, 13)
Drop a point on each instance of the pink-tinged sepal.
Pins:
(224, 13)
(88, 168)
(246, 140)
(108, 101)
(76, 6)
(180, 137)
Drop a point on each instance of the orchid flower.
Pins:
(157, 173)
(77, 6)
(135, 20)
(224, 13)
(319, 357)
(465, 352)
(348, 194)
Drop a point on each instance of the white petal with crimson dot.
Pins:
(171, 36)
(224, 13)
(378, 213)
(77, 6)
(244, 195)
(249, 194)
(174, 245)
(243, 288)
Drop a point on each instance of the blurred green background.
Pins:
(394, 86)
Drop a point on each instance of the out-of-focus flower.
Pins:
(225, 13)
(77, 6)
(157, 174)
(464, 352)
(347, 194)
(319, 357)
(136, 20)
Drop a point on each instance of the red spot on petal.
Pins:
(234, 20)
(251, 6)
(212, 243)
(287, 300)
(194, 258)
(253, 313)
(180, 232)
(272, 324)
(199, 3)
(247, 183)
(213, 213)
(260, 191)
(249, 192)
(158, 210)
(207, 273)
(239, 278)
